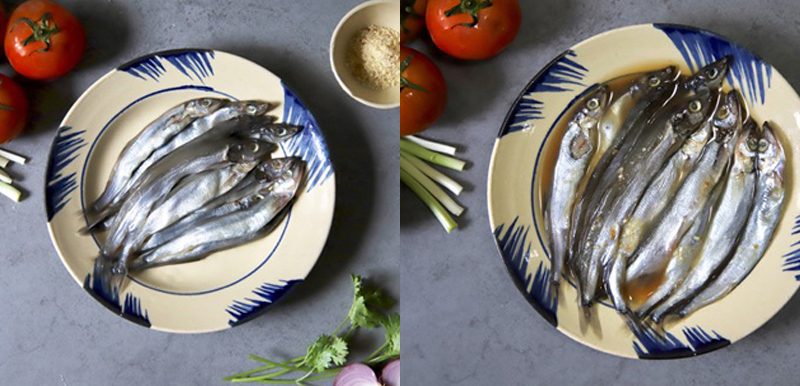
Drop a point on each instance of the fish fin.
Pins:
(100, 222)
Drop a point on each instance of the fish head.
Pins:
(691, 113)
(594, 105)
(255, 108)
(205, 106)
(711, 76)
(746, 148)
(770, 151)
(727, 119)
(283, 175)
(273, 132)
(249, 150)
(665, 77)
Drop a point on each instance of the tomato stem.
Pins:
(43, 30)
(471, 7)
(404, 82)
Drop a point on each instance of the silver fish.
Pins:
(138, 206)
(205, 125)
(649, 208)
(222, 121)
(155, 135)
(648, 264)
(229, 230)
(760, 226)
(728, 221)
(229, 202)
(575, 151)
(635, 104)
(684, 256)
(637, 170)
(190, 195)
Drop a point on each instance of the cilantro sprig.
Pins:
(326, 356)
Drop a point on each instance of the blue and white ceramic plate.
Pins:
(229, 287)
(516, 167)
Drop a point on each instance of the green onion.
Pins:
(13, 157)
(4, 177)
(431, 187)
(4, 162)
(431, 145)
(430, 156)
(439, 177)
(435, 206)
(10, 191)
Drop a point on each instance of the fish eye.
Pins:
(205, 103)
(654, 81)
(254, 146)
(763, 145)
(251, 109)
(695, 106)
(280, 130)
(752, 144)
(723, 112)
(713, 72)
(593, 103)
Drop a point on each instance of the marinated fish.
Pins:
(729, 219)
(639, 167)
(577, 147)
(636, 103)
(763, 219)
(647, 267)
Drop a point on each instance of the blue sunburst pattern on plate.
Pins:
(266, 294)
(563, 74)
(59, 186)
(651, 345)
(791, 262)
(131, 308)
(308, 144)
(702, 341)
(515, 249)
(194, 64)
(748, 72)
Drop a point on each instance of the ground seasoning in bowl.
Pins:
(373, 56)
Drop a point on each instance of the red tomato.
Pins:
(423, 92)
(473, 29)
(43, 40)
(13, 109)
(412, 20)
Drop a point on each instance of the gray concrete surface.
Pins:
(464, 321)
(52, 333)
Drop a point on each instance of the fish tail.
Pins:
(102, 272)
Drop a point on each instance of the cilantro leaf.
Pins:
(391, 325)
(363, 312)
(325, 352)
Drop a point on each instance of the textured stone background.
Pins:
(464, 321)
(52, 333)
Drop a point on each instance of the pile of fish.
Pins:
(196, 180)
(664, 197)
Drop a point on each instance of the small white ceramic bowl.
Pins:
(379, 12)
